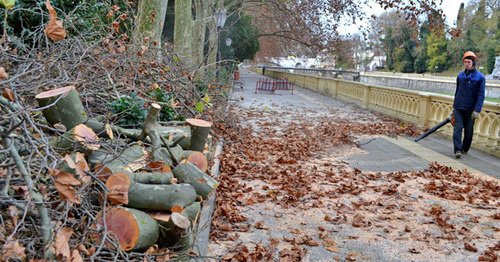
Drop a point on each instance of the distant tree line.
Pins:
(434, 48)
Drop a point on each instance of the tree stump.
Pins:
(68, 110)
(199, 133)
(134, 229)
(175, 231)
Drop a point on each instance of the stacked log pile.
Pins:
(155, 186)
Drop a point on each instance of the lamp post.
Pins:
(220, 19)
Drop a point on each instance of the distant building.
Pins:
(375, 60)
(496, 71)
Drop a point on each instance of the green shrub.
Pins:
(167, 113)
(130, 110)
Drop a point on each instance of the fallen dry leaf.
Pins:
(7, 92)
(76, 257)
(13, 213)
(61, 244)
(64, 183)
(54, 28)
(12, 249)
(332, 249)
(470, 247)
(3, 74)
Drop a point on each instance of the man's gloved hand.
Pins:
(475, 115)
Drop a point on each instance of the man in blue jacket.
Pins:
(469, 98)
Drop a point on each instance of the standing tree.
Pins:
(437, 51)
(244, 36)
(183, 32)
(421, 50)
(461, 17)
(490, 59)
(150, 19)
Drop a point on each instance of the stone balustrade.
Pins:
(420, 108)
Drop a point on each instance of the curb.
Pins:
(201, 239)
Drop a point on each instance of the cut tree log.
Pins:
(192, 211)
(188, 173)
(180, 134)
(163, 154)
(78, 138)
(133, 229)
(129, 160)
(175, 231)
(154, 178)
(146, 196)
(199, 133)
(199, 160)
(63, 106)
(160, 197)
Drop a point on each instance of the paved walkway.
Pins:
(384, 240)
(401, 153)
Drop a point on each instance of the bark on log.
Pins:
(164, 155)
(160, 197)
(68, 110)
(154, 178)
(199, 133)
(189, 173)
(134, 229)
(192, 211)
(122, 190)
(129, 160)
(180, 134)
(175, 231)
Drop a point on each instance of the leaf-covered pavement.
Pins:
(286, 195)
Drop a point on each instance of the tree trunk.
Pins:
(183, 32)
(212, 36)
(134, 229)
(68, 110)
(199, 133)
(150, 19)
(202, 183)
(199, 34)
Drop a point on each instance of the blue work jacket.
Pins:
(469, 95)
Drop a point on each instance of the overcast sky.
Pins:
(450, 9)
